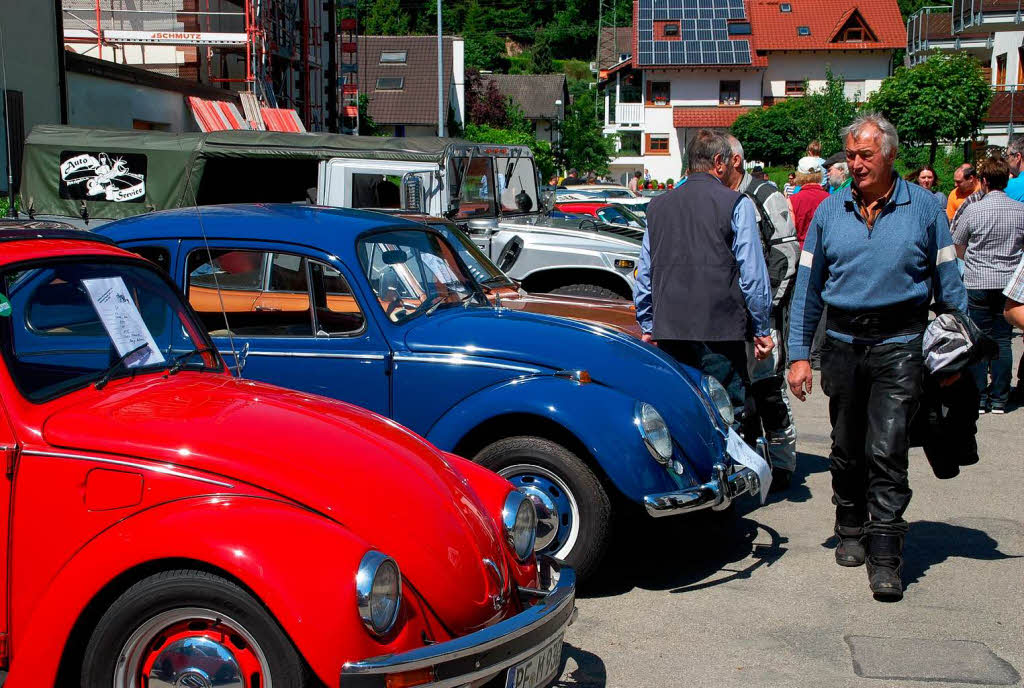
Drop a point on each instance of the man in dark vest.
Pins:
(702, 288)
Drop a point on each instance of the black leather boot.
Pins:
(885, 566)
(850, 531)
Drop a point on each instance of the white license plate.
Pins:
(539, 669)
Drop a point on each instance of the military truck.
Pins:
(92, 176)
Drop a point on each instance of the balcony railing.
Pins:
(989, 15)
(930, 29)
(629, 114)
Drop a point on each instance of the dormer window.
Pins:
(672, 29)
(396, 57)
(855, 30)
(390, 83)
(803, 31)
(785, 7)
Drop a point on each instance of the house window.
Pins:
(728, 93)
(795, 88)
(666, 30)
(657, 144)
(658, 92)
(629, 143)
(739, 29)
(785, 7)
(1020, 66)
(803, 31)
(390, 83)
(855, 30)
(1001, 72)
(854, 91)
(397, 57)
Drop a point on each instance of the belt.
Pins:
(878, 324)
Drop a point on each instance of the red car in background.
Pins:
(167, 524)
(609, 213)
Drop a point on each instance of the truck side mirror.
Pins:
(547, 200)
(510, 254)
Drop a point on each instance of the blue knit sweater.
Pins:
(907, 257)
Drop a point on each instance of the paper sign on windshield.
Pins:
(122, 320)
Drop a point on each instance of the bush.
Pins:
(947, 160)
(575, 70)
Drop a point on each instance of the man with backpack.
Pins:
(767, 377)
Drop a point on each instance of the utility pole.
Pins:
(440, 75)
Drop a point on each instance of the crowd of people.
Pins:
(742, 281)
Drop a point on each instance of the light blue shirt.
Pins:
(753, 278)
(1015, 188)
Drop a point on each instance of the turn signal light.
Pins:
(622, 263)
(407, 679)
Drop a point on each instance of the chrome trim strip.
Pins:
(501, 633)
(459, 359)
(314, 354)
(717, 494)
(131, 464)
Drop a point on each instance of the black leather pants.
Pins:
(874, 392)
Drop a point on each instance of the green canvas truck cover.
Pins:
(106, 174)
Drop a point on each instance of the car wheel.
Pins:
(189, 628)
(588, 290)
(573, 509)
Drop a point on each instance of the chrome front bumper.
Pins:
(718, 493)
(482, 655)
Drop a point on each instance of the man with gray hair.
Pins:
(702, 289)
(1015, 159)
(767, 379)
(876, 253)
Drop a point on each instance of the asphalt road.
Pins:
(759, 600)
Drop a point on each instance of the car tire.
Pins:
(583, 523)
(591, 291)
(171, 608)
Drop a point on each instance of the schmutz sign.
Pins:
(97, 176)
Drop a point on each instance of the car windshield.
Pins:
(479, 265)
(517, 184)
(473, 182)
(73, 323)
(414, 273)
(618, 215)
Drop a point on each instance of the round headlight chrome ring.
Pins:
(654, 432)
(378, 579)
(519, 521)
(719, 397)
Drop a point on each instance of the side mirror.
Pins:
(394, 257)
(547, 201)
(510, 254)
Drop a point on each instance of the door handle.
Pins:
(266, 309)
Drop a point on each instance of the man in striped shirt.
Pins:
(875, 253)
(989, 236)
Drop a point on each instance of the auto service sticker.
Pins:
(98, 176)
(5, 307)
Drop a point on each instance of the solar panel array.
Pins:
(704, 33)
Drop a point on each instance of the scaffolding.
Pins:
(348, 80)
(274, 49)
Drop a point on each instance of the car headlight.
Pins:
(720, 398)
(654, 432)
(519, 519)
(378, 591)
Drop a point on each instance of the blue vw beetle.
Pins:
(382, 312)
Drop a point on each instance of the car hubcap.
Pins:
(191, 648)
(558, 517)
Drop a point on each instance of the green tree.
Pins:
(542, 153)
(779, 134)
(384, 18)
(541, 59)
(583, 144)
(942, 99)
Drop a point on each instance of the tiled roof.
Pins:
(710, 117)
(777, 30)
(615, 41)
(416, 102)
(535, 93)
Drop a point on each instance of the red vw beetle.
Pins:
(166, 524)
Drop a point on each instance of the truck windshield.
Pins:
(70, 324)
(479, 265)
(477, 198)
(517, 185)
